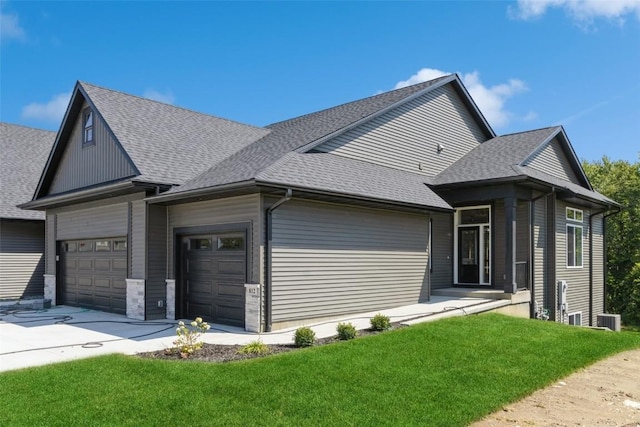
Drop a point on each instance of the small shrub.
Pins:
(304, 337)
(380, 322)
(346, 331)
(188, 341)
(255, 347)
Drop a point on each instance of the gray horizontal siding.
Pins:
(441, 251)
(598, 268)
(21, 258)
(406, 138)
(156, 260)
(103, 221)
(540, 252)
(50, 243)
(552, 160)
(138, 239)
(577, 278)
(218, 212)
(101, 161)
(329, 259)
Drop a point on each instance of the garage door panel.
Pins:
(200, 265)
(231, 289)
(94, 279)
(200, 310)
(226, 266)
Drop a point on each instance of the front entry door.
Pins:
(468, 255)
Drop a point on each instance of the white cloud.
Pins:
(10, 27)
(51, 111)
(583, 11)
(154, 95)
(490, 100)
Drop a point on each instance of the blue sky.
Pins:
(528, 64)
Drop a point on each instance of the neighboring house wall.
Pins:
(552, 160)
(85, 165)
(232, 210)
(441, 250)
(21, 258)
(576, 277)
(406, 138)
(330, 259)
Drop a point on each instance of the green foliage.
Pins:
(620, 181)
(188, 341)
(346, 331)
(406, 377)
(380, 322)
(304, 337)
(255, 347)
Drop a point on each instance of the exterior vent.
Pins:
(611, 321)
(575, 318)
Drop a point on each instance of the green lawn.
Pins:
(447, 373)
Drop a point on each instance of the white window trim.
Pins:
(575, 211)
(566, 235)
(456, 223)
(573, 314)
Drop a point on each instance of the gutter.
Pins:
(267, 261)
(47, 201)
(591, 261)
(532, 248)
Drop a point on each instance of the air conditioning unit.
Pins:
(611, 321)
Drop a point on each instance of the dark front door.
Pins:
(213, 277)
(468, 255)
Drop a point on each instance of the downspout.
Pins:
(267, 259)
(591, 262)
(532, 212)
(604, 237)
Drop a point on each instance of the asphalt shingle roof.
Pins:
(495, 158)
(169, 144)
(287, 136)
(335, 174)
(24, 153)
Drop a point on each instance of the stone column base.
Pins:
(50, 288)
(135, 299)
(171, 299)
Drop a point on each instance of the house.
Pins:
(24, 153)
(155, 211)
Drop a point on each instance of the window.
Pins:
(88, 127)
(70, 247)
(575, 318)
(230, 243)
(103, 245)
(86, 246)
(119, 245)
(574, 214)
(201, 244)
(574, 245)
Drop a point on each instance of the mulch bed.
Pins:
(220, 353)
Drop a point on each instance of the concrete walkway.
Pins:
(39, 337)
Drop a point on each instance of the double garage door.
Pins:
(94, 273)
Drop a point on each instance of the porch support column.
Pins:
(510, 285)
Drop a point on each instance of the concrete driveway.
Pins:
(39, 337)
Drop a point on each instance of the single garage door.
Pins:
(213, 277)
(94, 273)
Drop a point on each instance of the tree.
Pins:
(620, 181)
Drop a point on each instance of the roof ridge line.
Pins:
(170, 105)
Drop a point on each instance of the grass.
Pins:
(447, 373)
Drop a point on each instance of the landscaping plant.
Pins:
(380, 322)
(346, 331)
(255, 347)
(304, 337)
(188, 341)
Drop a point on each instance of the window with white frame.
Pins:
(88, 127)
(574, 237)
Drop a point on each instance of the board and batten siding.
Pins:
(83, 165)
(577, 277)
(21, 258)
(598, 258)
(232, 210)
(50, 243)
(407, 137)
(552, 160)
(137, 239)
(330, 260)
(441, 250)
(156, 287)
